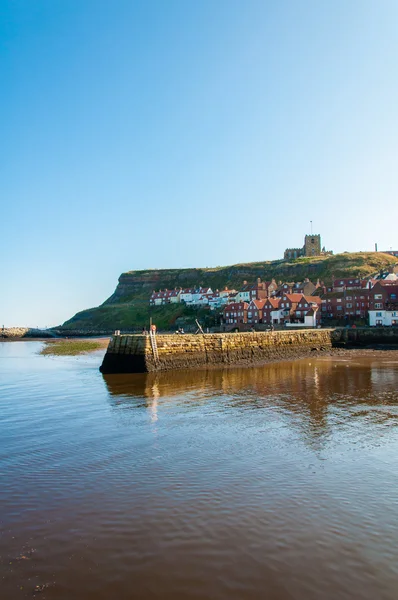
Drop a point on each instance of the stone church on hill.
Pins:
(312, 247)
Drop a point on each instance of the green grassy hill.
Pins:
(128, 307)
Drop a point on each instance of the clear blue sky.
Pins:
(173, 134)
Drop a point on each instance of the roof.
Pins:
(313, 299)
(258, 303)
(346, 281)
(294, 297)
(236, 306)
(273, 301)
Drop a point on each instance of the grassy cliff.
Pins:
(128, 306)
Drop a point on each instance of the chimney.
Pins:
(376, 247)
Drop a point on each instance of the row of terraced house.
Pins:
(297, 303)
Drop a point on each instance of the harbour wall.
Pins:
(136, 354)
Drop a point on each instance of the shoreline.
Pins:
(384, 351)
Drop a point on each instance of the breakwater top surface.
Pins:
(274, 482)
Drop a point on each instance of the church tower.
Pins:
(312, 245)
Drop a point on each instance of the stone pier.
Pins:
(135, 353)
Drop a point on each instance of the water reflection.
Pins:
(317, 397)
(310, 380)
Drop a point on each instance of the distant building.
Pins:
(312, 247)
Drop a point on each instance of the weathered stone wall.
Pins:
(134, 353)
(365, 336)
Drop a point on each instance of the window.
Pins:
(378, 305)
(393, 296)
(349, 298)
(378, 314)
(349, 305)
(339, 308)
(338, 299)
(378, 296)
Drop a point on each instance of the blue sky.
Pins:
(174, 134)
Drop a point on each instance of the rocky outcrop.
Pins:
(24, 332)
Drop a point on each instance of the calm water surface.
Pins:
(279, 482)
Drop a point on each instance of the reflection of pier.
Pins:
(309, 378)
(305, 393)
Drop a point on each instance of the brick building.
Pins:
(235, 313)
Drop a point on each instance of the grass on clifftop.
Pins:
(72, 347)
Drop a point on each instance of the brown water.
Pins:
(279, 482)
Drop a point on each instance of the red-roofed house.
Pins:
(235, 313)
(270, 308)
(255, 311)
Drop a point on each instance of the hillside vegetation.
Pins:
(128, 307)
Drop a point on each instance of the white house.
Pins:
(215, 300)
(173, 296)
(386, 318)
(278, 315)
(226, 293)
(202, 301)
(198, 293)
(309, 319)
(243, 296)
(186, 295)
(164, 297)
(157, 298)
